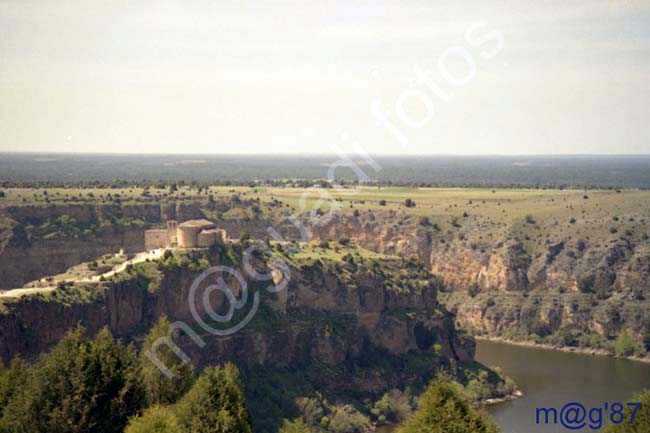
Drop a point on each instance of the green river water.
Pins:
(550, 379)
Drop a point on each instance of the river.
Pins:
(550, 378)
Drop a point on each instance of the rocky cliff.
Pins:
(338, 302)
(599, 260)
(534, 281)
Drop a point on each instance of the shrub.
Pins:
(244, 236)
(409, 203)
(473, 289)
(345, 421)
(382, 202)
(394, 406)
(295, 426)
(586, 283)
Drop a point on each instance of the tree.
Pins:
(156, 419)
(641, 422)
(80, 386)
(625, 344)
(113, 375)
(161, 389)
(215, 404)
(443, 410)
(12, 380)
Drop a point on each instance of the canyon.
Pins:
(567, 283)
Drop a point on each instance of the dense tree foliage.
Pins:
(102, 386)
(80, 386)
(215, 404)
(625, 344)
(161, 389)
(11, 381)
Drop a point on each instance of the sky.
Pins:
(289, 76)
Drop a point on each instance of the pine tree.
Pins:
(160, 388)
(12, 380)
(79, 386)
(215, 404)
(113, 381)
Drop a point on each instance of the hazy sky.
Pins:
(290, 76)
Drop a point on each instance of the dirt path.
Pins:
(139, 258)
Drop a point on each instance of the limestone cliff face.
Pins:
(500, 261)
(605, 273)
(503, 285)
(329, 312)
(34, 324)
(461, 262)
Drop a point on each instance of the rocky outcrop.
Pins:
(329, 312)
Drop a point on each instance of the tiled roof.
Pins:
(197, 223)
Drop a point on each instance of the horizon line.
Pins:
(351, 154)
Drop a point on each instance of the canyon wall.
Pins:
(330, 311)
(598, 276)
(583, 290)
